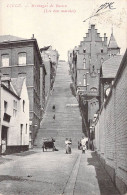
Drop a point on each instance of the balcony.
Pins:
(6, 117)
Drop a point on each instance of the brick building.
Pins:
(85, 62)
(22, 56)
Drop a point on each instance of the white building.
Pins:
(14, 130)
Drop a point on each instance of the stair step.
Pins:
(68, 121)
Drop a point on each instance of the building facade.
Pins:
(50, 60)
(85, 63)
(107, 75)
(14, 124)
(20, 56)
(42, 88)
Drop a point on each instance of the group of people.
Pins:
(82, 145)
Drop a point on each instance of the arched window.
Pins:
(22, 58)
(84, 80)
(5, 60)
(84, 63)
(93, 89)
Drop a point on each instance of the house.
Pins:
(14, 130)
(107, 75)
(85, 62)
(50, 60)
(19, 56)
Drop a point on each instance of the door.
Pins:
(4, 139)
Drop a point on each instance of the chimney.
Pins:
(32, 36)
(105, 39)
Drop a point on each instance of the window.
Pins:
(84, 63)
(101, 50)
(14, 108)
(21, 132)
(5, 60)
(5, 106)
(84, 80)
(84, 50)
(93, 89)
(22, 58)
(26, 128)
(23, 105)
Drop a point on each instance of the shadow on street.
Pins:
(105, 183)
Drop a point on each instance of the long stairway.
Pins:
(67, 122)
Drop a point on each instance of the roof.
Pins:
(17, 83)
(111, 66)
(7, 85)
(44, 48)
(112, 43)
(6, 38)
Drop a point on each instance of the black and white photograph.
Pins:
(63, 97)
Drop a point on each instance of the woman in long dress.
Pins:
(3, 146)
(68, 146)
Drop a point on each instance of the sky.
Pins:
(60, 22)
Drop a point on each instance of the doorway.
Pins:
(4, 139)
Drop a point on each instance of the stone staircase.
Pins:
(68, 121)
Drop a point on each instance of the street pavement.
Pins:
(54, 173)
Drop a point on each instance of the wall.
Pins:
(92, 44)
(13, 127)
(32, 70)
(47, 79)
(111, 130)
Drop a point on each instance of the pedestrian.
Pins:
(54, 116)
(3, 146)
(87, 145)
(53, 108)
(79, 145)
(68, 146)
(83, 142)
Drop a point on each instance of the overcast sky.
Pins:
(62, 30)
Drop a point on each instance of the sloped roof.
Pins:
(110, 66)
(6, 84)
(17, 84)
(112, 43)
(6, 38)
(44, 48)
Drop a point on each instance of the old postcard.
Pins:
(63, 97)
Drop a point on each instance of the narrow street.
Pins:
(56, 173)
